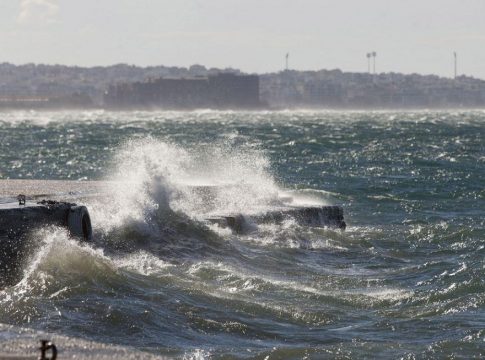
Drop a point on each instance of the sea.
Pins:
(404, 280)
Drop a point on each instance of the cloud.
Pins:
(38, 11)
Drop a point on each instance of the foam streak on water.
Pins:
(405, 280)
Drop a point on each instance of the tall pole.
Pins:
(287, 56)
(454, 54)
(374, 54)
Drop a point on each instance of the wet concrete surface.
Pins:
(19, 343)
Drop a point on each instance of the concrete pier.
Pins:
(317, 216)
(38, 189)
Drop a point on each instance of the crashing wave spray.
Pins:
(150, 176)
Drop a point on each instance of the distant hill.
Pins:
(286, 89)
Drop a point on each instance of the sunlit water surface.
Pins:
(406, 279)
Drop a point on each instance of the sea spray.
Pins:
(150, 175)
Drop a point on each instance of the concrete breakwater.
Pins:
(20, 215)
(19, 220)
(35, 189)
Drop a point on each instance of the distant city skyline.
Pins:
(254, 36)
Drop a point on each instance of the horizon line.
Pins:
(237, 69)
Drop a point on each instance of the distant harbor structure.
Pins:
(72, 101)
(219, 91)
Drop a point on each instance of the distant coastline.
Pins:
(51, 87)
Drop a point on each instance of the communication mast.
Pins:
(374, 54)
(287, 56)
(455, 56)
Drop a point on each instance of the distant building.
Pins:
(221, 91)
(336, 89)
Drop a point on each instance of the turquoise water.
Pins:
(405, 280)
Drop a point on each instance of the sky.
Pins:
(409, 36)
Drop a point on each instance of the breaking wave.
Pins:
(404, 280)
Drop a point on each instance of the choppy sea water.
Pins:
(405, 280)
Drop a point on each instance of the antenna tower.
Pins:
(374, 54)
(455, 56)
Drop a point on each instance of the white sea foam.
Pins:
(139, 184)
(197, 354)
(234, 281)
(152, 175)
(142, 262)
(385, 293)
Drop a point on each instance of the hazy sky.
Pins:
(253, 35)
